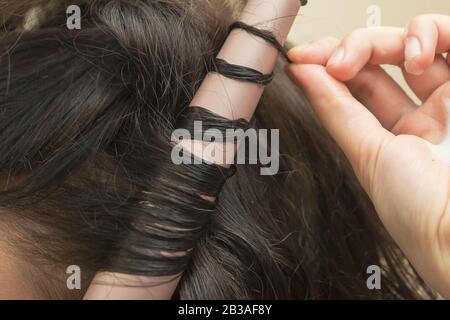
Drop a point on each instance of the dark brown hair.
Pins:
(85, 117)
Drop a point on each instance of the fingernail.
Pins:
(337, 57)
(295, 53)
(413, 68)
(413, 50)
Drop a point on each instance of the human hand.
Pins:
(399, 151)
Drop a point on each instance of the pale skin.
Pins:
(398, 150)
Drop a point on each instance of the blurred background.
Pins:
(338, 17)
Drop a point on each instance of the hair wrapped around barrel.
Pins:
(176, 208)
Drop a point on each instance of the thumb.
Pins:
(357, 131)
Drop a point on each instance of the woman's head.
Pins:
(85, 121)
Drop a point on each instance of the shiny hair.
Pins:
(85, 121)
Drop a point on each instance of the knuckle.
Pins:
(359, 33)
(421, 20)
(330, 40)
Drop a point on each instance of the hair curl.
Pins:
(85, 121)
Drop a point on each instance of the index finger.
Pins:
(355, 129)
(427, 35)
(376, 46)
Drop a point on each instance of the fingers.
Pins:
(432, 78)
(346, 59)
(379, 93)
(355, 129)
(366, 46)
(426, 69)
(371, 46)
(430, 121)
(372, 86)
(426, 36)
(315, 52)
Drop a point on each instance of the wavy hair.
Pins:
(86, 179)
